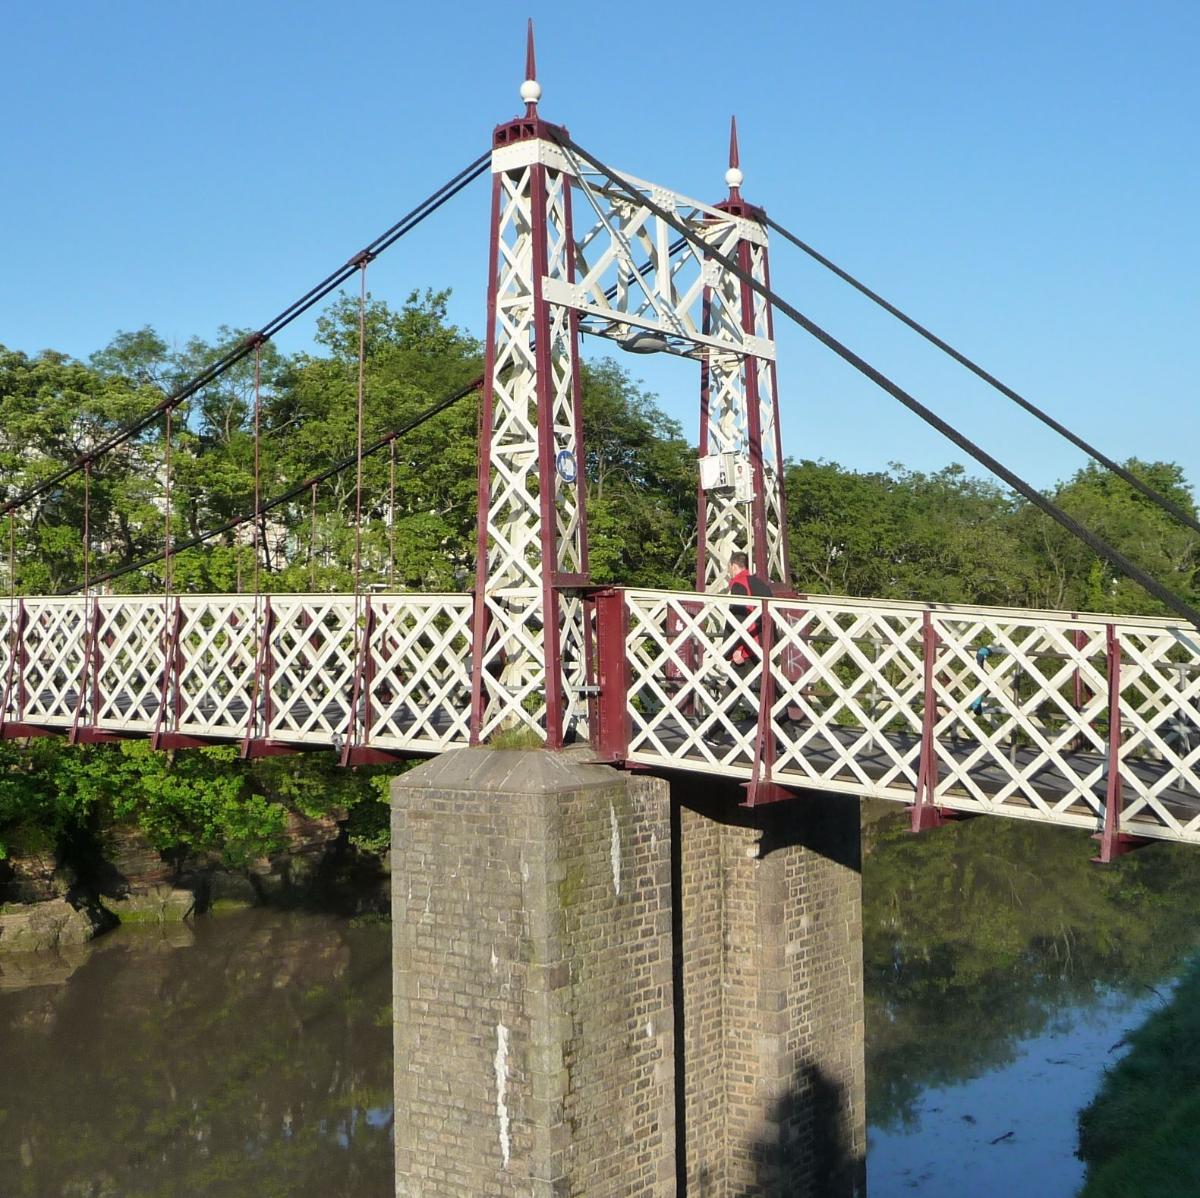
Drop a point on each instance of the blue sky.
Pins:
(1022, 177)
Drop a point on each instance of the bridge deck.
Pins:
(1021, 714)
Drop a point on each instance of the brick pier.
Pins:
(546, 915)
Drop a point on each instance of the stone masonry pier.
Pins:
(609, 985)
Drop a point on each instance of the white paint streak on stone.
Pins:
(615, 848)
(501, 1065)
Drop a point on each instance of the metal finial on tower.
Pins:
(733, 176)
(531, 90)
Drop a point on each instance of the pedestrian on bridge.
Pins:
(742, 582)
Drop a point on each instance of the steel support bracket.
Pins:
(760, 792)
(562, 580)
(925, 816)
(177, 740)
(365, 755)
(1113, 847)
(262, 746)
(93, 736)
(15, 730)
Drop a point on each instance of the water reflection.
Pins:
(1014, 1130)
(987, 934)
(250, 1054)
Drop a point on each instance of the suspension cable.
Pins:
(167, 508)
(11, 630)
(309, 484)
(12, 570)
(1099, 546)
(214, 371)
(1167, 504)
(87, 507)
(392, 514)
(312, 543)
(358, 434)
(360, 632)
(257, 463)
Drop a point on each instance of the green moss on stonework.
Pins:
(143, 915)
(570, 888)
(515, 738)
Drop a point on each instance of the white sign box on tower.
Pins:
(728, 472)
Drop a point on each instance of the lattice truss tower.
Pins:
(739, 416)
(623, 274)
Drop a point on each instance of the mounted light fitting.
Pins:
(644, 341)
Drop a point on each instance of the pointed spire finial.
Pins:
(733, 176)
(531, 91)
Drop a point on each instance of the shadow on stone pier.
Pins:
(813, 1155)
(769, 1068)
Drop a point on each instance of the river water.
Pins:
(250, 1054)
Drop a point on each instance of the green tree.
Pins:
(1069, 576)
(901, 534)
(641, 485)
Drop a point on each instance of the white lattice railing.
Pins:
(1009, 710)
(284, 669)
(1082, 721)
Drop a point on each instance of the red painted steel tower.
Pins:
(740, 500)
(530, 635)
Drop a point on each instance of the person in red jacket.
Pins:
(742, 582)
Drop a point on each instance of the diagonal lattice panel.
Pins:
(687, 701)
(312, 674)
(1160, 726)
(54, 645)
(219, 640)
(128, 675)
(848, 712)
(421, 685)
(1006, 712)
(9, 621)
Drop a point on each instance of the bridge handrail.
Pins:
(1163, 623)
(283, 668)
(1081, 720)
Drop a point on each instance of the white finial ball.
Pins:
(531, 91)
(734, 177)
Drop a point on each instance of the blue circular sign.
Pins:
(567, 470)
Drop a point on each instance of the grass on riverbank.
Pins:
(1140, 1137)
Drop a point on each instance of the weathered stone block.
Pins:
(526, 914)
(771, 967)
(49, 925)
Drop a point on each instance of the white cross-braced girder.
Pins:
(740, 417)
(532, 443)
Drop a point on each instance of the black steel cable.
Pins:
(1167, 504)
(269, 505)
(212, 372)
(1099, 546)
